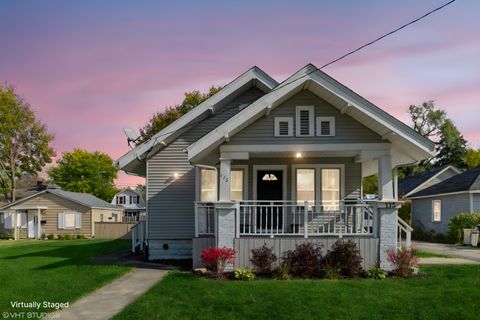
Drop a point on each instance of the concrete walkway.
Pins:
(106, 302)
(457, 251)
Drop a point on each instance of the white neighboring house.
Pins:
(133, 204)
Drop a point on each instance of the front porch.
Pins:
(26, 221)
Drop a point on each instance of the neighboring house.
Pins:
(433, 207)
(263, 162)
(132, 202)
(55, 211)
(419, 181)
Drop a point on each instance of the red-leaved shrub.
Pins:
(263, 258)
(403, 260)
(215, 259)
(304, 261)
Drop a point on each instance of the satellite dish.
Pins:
(131, 134)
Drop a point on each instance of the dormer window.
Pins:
(283, 127)
(304, 122)
(325, 126)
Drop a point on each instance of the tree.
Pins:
(160, 120)
(427, 120)
(452, 147)
(24, 141)
(89, 172)
(472, 159)
(370, 184)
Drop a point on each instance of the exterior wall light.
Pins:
(298, 155)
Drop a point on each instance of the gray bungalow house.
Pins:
(433, 207)
(276, 163)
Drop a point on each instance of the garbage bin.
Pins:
(467, 236)
(474, 237)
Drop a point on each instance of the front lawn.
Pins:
(53, 271)
(426, 254)
(450, 292)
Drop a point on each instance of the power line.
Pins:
(333, 61)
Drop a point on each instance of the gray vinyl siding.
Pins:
(452, 205)
(170, 201)
(353, 172)
(476, 202)
(347, 129)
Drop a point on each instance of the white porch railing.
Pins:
(404, 233)
(275, 218)
(138, 236)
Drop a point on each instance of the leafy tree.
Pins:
(161, 119)
(89, 172)
(370, 184)
(472, 159)
(24, 141)
(452, 147)
(427, 120)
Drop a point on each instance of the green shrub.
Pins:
(51, 236)
(81, 236)
(44, 236)
(263, 258)
(67, 236)
(345, 256)
(60, 236)
(429, 236)
(376, 273)
(405, 212)
(244, 274)
(7, 235)
(282, 272)
(460, 222)
(332, 272)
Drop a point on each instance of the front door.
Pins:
(269, 188)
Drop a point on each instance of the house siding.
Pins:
(452, 205)
(171, 201)
(347, 130)
(475, 202)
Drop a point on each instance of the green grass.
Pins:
(55, 271)
(451, 292)
(425, 254)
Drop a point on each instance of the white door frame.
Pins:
(31, 225)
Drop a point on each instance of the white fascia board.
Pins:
(372, 111)
(382, 148)
(22, 200)
(254, 73)
(443, 194)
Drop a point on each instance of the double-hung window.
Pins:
(208, 185)
(236, 184)
(331, 189)
(305, 179)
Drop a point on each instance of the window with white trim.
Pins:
(437, 210)
(330, 189)
(305, 189)
(208, 185)
(325, 126)
(236, 184)
(69, 220)
(304, 121)
(283, 127)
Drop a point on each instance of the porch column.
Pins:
(225, 225)
(385, 178)
(225, 169)
(387, 232)
(39, 224)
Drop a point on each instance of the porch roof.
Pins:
(28, 207)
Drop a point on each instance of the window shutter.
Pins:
(283, 128)
(60, 221)
(78, 220)
(325, 128)
(304, 122)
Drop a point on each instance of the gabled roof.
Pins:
(468, 181)
(132, 160)
(84, 199)
(411, 146)
(413, 183)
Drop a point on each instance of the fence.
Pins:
(113, 230)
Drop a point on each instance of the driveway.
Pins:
(458, 251)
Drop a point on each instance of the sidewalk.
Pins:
(446, 261)
(457, 251)
(106, 302)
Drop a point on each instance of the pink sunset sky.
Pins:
(90, 67)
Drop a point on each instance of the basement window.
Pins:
(325, 126)
(283, 127)
(304, 121)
